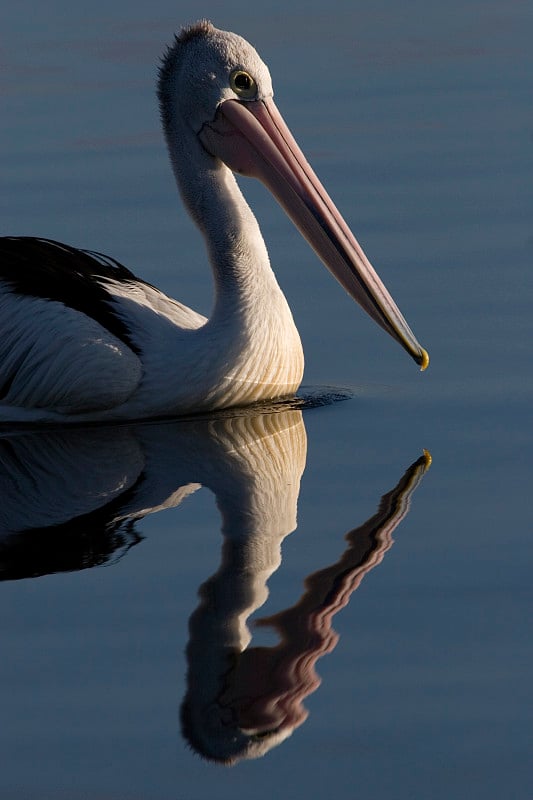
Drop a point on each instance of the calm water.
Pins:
(418, 118)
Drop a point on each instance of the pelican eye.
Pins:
(243, 84)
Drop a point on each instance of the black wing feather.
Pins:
(54, 271)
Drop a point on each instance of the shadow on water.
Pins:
(70, 499)
(308, 397)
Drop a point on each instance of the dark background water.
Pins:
(418, 118)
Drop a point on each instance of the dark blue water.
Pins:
(418, 118)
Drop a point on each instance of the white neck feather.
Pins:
(251, 334)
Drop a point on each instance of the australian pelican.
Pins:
(82, 338)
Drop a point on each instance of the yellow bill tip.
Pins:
(424, 361)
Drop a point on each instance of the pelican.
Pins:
(82, 338)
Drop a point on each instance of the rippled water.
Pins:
(399, 657)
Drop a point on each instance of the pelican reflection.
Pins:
(70, 499)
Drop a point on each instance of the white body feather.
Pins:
(68, 366)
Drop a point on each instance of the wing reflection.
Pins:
(69, 500)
